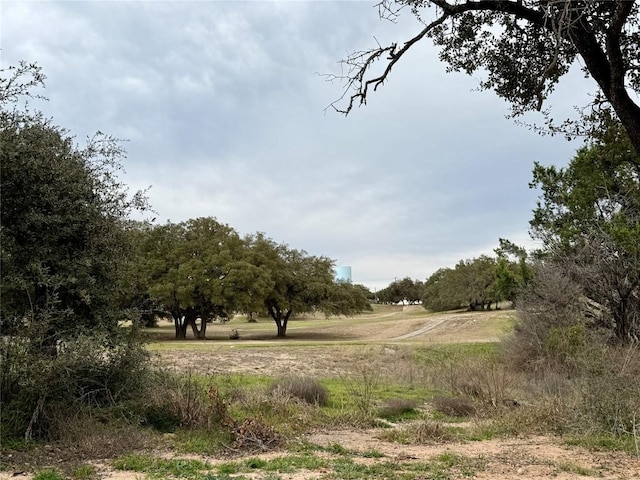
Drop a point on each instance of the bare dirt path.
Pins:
(535, 458)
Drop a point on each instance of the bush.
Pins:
(454, 406)
(188, 401)
(96, 372)
(551, 301)
(307, 389)
(610, 392)
(396, 407)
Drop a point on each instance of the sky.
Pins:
(223, 106)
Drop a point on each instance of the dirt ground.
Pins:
(329, 348)
(332, 348)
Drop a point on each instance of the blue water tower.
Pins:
(342, 273)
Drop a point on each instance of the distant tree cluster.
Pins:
(478, 283)
(401, 291)
(475, 284)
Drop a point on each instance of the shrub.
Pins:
(361, 383)
(186, 400)
(307, 389)
(454, 406)
(396, 407)
(255, 435)
(95, 371)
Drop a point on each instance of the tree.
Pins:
(406, 290)
(198, 269)
(63, 249)
(472, 283)
(522, 47)
(347, 299)
(301, 283)
(62, 229)
(440, 292)
(601, 184)
(588, 218)
(513, 271)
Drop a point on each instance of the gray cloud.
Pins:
(224, 112)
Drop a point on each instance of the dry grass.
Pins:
(306, 389)
(454, 406)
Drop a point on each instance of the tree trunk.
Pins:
(282, 329)
(180, 324)
(181, 330)
(199, 333)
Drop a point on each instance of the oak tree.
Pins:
(197, 270)
(520, 48)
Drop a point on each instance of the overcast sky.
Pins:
(223, 108)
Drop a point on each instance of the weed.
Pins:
(604, 442)
(161, 467)
(572, 467)
(372, 454)
(289, 464)
(48, 474)
(202, 442)
(361, 385)
(84, 472)
(255, 463)
(336, 449)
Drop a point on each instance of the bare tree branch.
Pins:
(360, 62)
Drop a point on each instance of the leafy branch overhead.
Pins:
(522, 47)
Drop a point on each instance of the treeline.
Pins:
(476, 284)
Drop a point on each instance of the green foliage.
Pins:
(198, 269)
(402, 291)
(63, 237)
(301, 283)
(98, 371)
(521, 49)
(161, 467)
(64, 247)
(84, 472)
(201, 269)
(588, 217)
(475, 284)
(48, 474)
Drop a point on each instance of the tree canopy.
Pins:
(62, 220)
(588, 218)
(471, 284)
(405, 290)
(201, 269)
(521, 49)
(302, 283)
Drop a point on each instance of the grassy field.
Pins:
(398, 393)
